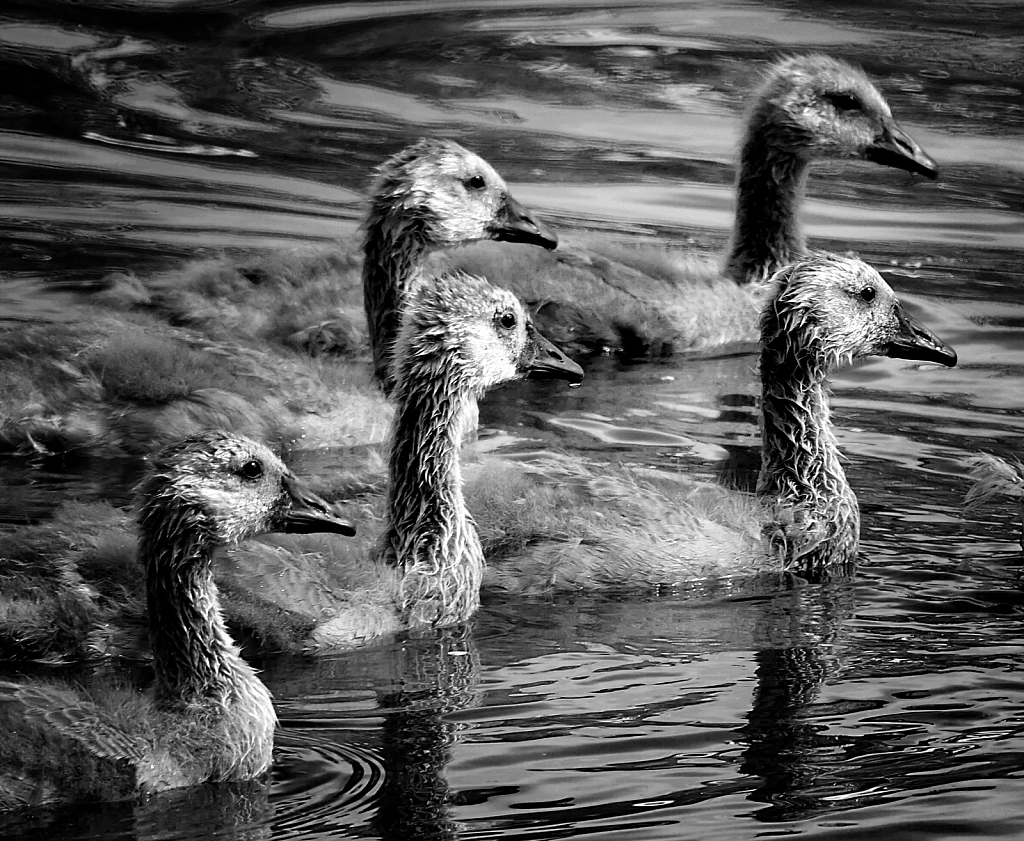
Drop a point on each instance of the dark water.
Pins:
(135, 135)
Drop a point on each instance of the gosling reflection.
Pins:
(241, 811)
(436, 674)
(793, 753)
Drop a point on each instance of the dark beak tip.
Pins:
(519, 225)
(942, 355)
(317, 522)
(573, 376)
(923, 350)
(531, 234)
(916, 342)
(555, 365)
(894, 147)
(337, 523)
(309, 514)
(924, 165)
(571, 373)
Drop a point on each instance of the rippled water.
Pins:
(136, 134)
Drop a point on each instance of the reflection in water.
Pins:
(784, 745)
(241, 811)
(438, 674)
(238, 811)
(674, 767)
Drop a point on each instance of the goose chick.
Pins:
(252, 315)
(433, 194)
(281, 595)
(210, 718)
(823, 311)
(807, 107)
(460, 337)
(643, 302)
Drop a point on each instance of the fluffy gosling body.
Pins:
(462, 336)
(210, 718)
(822, 312)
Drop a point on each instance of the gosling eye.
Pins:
(843, 101)
(476, 182)
(251, 470)
(507, 319)
(867, 294)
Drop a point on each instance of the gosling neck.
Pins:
(195, 660)
(429, 535)
(801, 467)
(769, 188)
(395, 247)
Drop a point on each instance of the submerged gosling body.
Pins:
(433, 194)
(822, 311)
(210, 718)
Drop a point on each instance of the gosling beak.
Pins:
(915, 341)
(894, 147)
(549, 363)
(514, 223)
(307, 513)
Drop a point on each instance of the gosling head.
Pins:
(455, 195)
(817, 106)
(231, 488)
(827, 309)
(461, 330)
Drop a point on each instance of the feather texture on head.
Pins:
(433, 194)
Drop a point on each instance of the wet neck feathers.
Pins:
(394, 250)
(801, 463)
(195, 660)
(766, 233)
(429, 535)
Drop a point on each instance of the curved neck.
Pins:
(429, 534)
(195, 659)
(770, 186)
(801, 465)
(393, 252)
